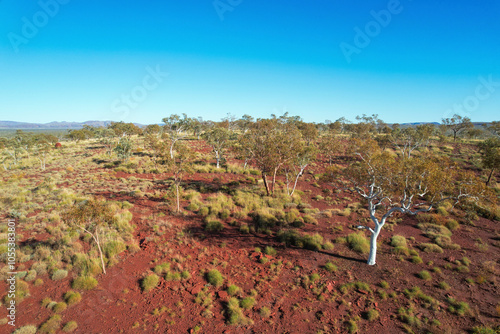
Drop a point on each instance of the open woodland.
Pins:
(254, 226)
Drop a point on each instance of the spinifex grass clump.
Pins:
(215, 278)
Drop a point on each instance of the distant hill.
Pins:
(52, 125)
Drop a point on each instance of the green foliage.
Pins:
(371, 314)
(459, 308)
(214, 226)
(52, 325)
(235, 314)
(233, 290)
(265, 312)
(72, 297)
(70, 326)
(84, 283)
(330, 267)
(28, 329)
(85, 266)
(485, 330)
(150, 282)
(113, 248)
(247, 303)
(60, 307)
(358, 243)
(59, 274)
(430, 248)
(270, 251)
(398, 241)
(215, 278)
(162, 268)
(425, 275)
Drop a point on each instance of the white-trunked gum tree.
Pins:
(392, 183)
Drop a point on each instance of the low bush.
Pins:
(84, 283)
(70, 326)
(425, 275)
(330, 267)
(214, 226)
(150, 282)
(51, 326)
(28, 329)
(59, 274)
(215, 278)
(235, 314)
(358, 243)
(247, 303)
(72, 297)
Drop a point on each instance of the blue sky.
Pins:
(407, 60)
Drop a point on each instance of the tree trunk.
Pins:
(178, 201)
(264, 178)
(217, 158)
(489, 177)
(274, 180)
(96, 239)
(373, 245)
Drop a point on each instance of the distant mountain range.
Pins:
(51, 125)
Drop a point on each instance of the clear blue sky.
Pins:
(91, 60)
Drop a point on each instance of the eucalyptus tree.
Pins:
(408, 185)
(457, 124)
(176, 128)
(219, 139)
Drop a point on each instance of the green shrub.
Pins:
(235, 314)
(459, 308)
(358, 243)
(150, 282)
(485, 330)
(30, 276)
(60, 307)
(72, 297)
(247, 303)
(384, 285)
(400, 250)
(70, 327)
(270, 251)
(430, 248)
(162, 268)
(244, 228)
(233, 290)
(398, 241)
(215, 278)
(452, 224)
(416, 259)
(308, 219)
(265, 312)
(372, 314)
(28, 329)
(52, 325)
(214, 226)
(84, 283)
(85, 266)
(330, 267)
(425, 275)
(352, 326)
(113, 248)
(185, 274)
(59, 274)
